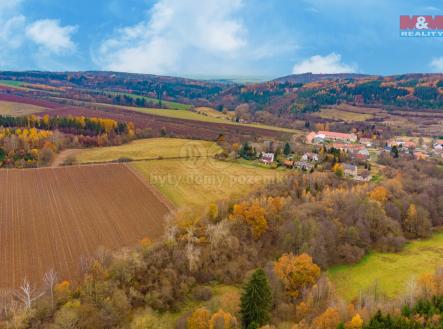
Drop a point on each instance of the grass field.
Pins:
(168, 104)
(12, 84)
(50, 218)
(209, 111)
(152, 148)
(347, 116)
(188, 115)
(185, 115)
(390, 271)
(198, 182)
(18, 109)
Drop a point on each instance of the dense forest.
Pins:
(31, 141)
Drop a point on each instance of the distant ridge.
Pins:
(311, 77)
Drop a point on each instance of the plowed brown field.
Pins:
(51, 217)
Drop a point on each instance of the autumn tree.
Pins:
(426, 285)
(379, 194)
(296, 272)
(253, 214)
(416, 223)
(222, 320)
(213, 212)
(199, 319)
(329, 319)
(355, 323)
(338, 169)
(256, 301)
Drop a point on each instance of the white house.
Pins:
(310, 157)
(267, 158)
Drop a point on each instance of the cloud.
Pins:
(323, 64)
(51, 36)
(173, 32)
(437, 64)
(11, 30)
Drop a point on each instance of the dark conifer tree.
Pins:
(256, 301)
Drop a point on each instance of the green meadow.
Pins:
(391, 271)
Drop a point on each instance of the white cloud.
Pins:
(437, 64)
(51, 36)
(323, 64)
(11, 30)
(174, 31)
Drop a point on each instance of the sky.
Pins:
(216, 38)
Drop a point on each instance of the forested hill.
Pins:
(282, 97)
(311, 77)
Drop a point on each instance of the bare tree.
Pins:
(102, 255)
(27, 294)
(217, 233)
(171, 229)
(193, 256)
(411, 291)
(6, 298)
(50, 279)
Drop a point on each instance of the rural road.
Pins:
(60, 159)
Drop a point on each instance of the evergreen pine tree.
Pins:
(287, 149)
(256, 301)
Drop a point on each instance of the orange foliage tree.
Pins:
(379, 194)
(253, 214)
(222, 320)
(329, 319)
(296, 272)
(199, 319)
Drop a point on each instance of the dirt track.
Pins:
(50, 218)
(62, 156)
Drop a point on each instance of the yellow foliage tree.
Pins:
(253, 215)
(199, 319)
(222, 320)
(146, 242)
(296, 272)
(355, 323)
(338, 169)
(212, 212)
(329, 319)
(427, 285)
(379, 194)
(63, 289)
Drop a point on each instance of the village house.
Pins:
(362, 154)
(363, 176)
(348, 147)
(267, 158)
(310, 157)
(334, 136)
(303, 165)
(401, 143)
(350, 170)
(322, 136)
(310, 137)
(368, 142)
(438, 145)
